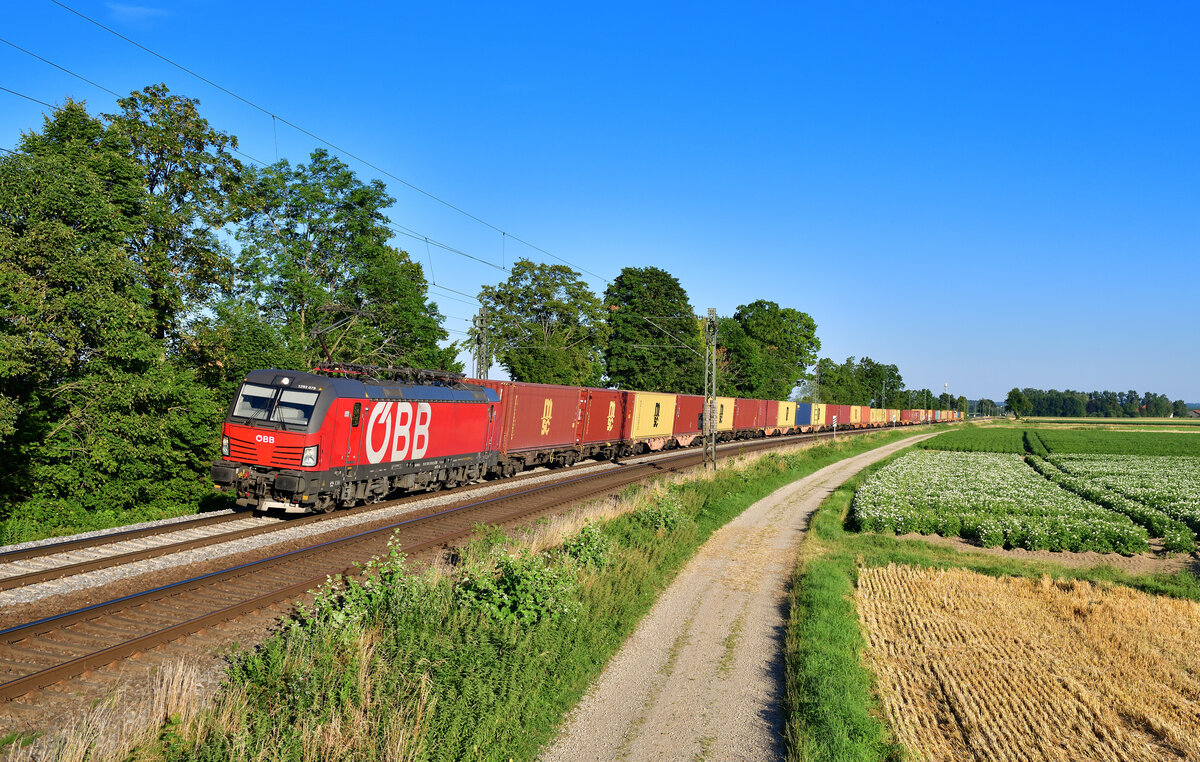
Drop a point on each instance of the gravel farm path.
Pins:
(702, 675)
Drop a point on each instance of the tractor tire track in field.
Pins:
(702, 676)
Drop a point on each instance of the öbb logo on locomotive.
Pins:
(308, 442)
(389, 417)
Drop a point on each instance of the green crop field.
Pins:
(992, 498)
(1118, 422)
(974, 439)
(1013, 439)
(971, 483)
(1120, 442)
(1169, 483)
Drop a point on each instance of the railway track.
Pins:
(56, 560)
(38, 654)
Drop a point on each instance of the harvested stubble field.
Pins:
(1053, 670)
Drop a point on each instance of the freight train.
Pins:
(345, 435)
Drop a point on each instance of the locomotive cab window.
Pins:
(254, 401)
(357, 414)
(294, 407)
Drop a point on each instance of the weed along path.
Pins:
(702, 675)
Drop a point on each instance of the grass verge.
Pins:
(483, 659)
(832, 711)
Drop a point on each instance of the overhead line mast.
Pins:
(710, 389)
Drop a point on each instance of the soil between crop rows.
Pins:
(1155, 562)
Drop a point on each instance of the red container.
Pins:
(689, 409)
(843, 416)
(537, 416)
(864, 416)
(606, 416)
(772, 420)
(749, 414)
(910, 416)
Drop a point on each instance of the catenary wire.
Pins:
(297, 127)
(394, 227)
(26, 97)
(56, 66)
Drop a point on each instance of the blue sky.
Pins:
(987, 195)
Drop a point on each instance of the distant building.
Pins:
(1194, 414)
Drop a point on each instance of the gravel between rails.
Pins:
(112, 530)
(702, 676)
(119, 546)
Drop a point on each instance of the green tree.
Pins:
(1180, 409)
(102, 426)
(545, 325)
(655, 343)
(234, 340)
(317, 266)
(861, 382)
(769, 349)
(1017, 403)
(194, 189)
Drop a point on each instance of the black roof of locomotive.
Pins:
(373, 388)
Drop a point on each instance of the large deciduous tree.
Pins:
(655, 342)
(545, 325)
(1017, 403)
(769, 348)
(193, 186)
(97, 417)
(317, 264)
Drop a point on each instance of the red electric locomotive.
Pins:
(305, 442)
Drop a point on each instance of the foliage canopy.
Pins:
(545, 325)
(655, 342)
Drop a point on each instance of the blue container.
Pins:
(804, 414)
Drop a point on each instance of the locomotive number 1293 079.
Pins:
(395, 428)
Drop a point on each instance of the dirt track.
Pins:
(702, 676)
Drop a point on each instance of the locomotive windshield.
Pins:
(292, 407)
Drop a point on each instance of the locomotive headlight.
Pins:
(310, 456)
(225, 446)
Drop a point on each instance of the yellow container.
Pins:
(878, 416)
(787, 415)
(725, 413)
(820, 414)
(855, 414)
(653, 415)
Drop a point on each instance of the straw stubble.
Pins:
(975, 667)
